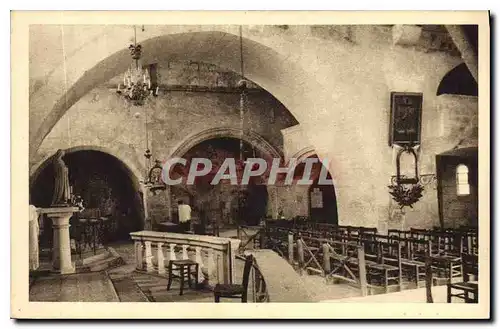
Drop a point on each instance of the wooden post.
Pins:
(263, 238)
(362, 271)
(290, 248)
(400, 266)
(300, 253)
(428, 279)
(469, 245)
(326, 258)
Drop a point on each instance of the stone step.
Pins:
(103, 261)
(128, 290)
(95, 258)
(105, 264)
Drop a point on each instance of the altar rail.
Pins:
(215, 255)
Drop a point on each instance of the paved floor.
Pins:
(85, 287)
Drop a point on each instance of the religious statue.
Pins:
(62, 194)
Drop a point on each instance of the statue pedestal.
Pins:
(61, 248)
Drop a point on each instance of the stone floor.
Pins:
(84, 287)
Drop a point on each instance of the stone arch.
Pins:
(304, 153)
(125, 181)
(458, 81)
(263, 65)
(328, 212)
(131, 167)
(248, 136)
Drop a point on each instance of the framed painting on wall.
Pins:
(406, 118)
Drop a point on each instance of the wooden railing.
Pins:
(250, 237)
(259, 288)
(342, 260)
(215, 255)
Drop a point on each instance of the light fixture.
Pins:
(136, 80)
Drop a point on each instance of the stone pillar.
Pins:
(466, 50)
(272, 201)
(168, 198)
(145, 196)
(234, 245)
(61, 248)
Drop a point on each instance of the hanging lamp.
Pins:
(137, 86)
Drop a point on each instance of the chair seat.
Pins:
(354, 260)
(446, 258)
(469, 286)
(183, 262)
(412, 262)
(383, 267)
(228, 289)
(338, 256)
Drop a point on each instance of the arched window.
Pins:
(463, 187)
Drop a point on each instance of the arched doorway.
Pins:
(107, 186)
(224, 203)
(323, 203)
(322, 200)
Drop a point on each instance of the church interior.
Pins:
(390, 113)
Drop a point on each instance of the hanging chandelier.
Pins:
(136, 80)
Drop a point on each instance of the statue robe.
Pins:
(61, 186)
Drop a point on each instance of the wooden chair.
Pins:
(466, 287)
(186, 268)
(235, 290)
(388, 269)
(447, 262)
(413, 260)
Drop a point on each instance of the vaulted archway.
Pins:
(107, 185)
(263, 65)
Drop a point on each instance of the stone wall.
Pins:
(195, 97)
(336, 83)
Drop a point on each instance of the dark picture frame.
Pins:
(406, 118)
